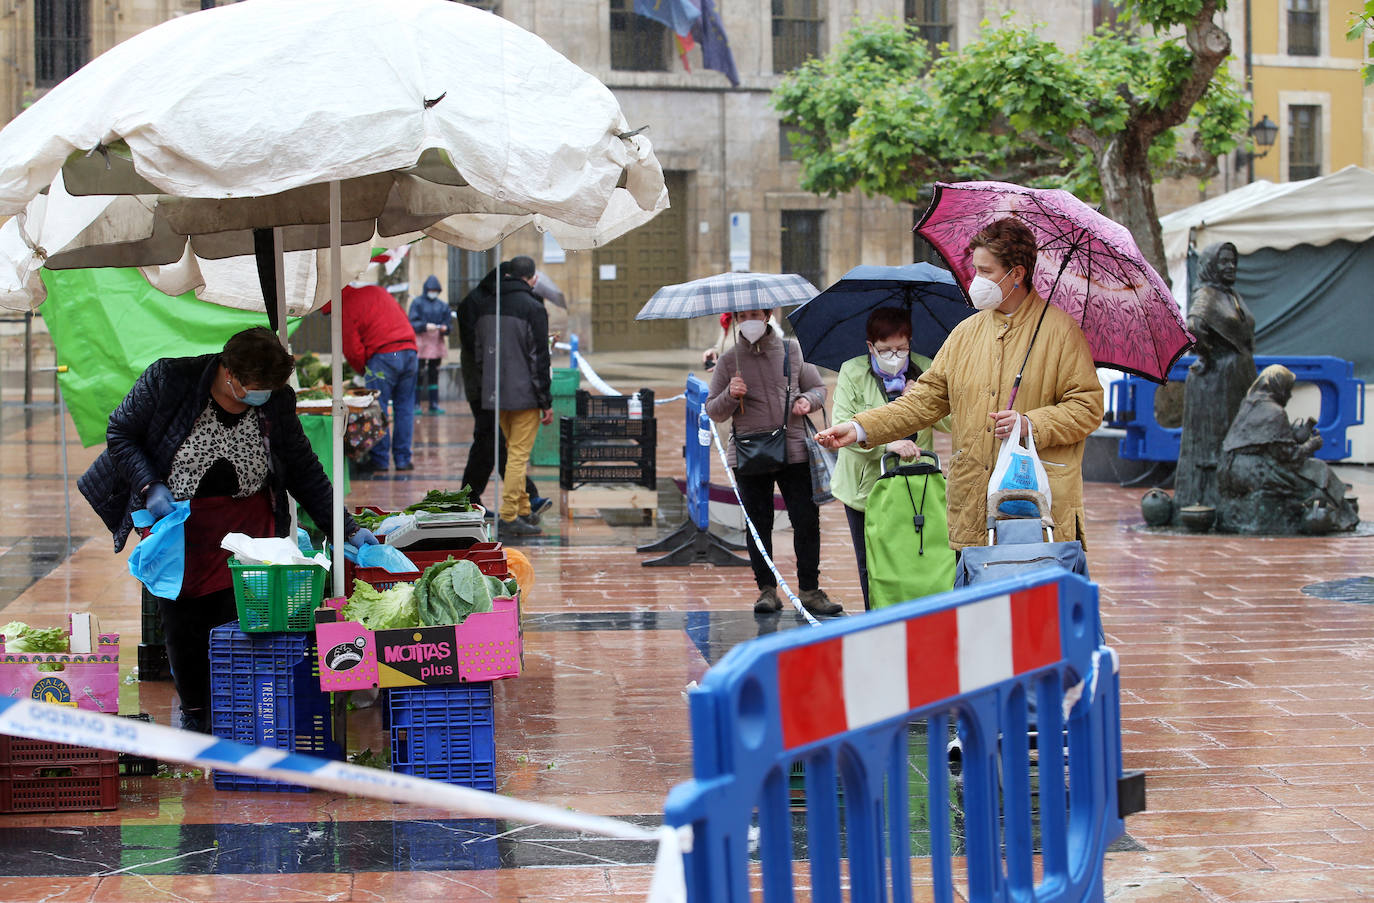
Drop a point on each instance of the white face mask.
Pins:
(986, 294)
(753, 330)
(432, 294)
(890, 362)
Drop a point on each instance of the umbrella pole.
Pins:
(1016, 386)
(279, 265)
(336, 366)
(496, 408)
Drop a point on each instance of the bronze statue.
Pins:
(1268, 480)
(1217, 381)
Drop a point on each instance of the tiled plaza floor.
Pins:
(1249, 703)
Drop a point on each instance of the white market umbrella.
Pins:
(314, 124)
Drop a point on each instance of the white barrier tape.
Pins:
(1088, 686)
(62, 724)
(584, 366)
(758, 543)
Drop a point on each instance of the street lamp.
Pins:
(1265, 133)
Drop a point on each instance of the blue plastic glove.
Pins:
(362, 538)
(158, 500)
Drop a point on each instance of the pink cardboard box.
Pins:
(87, 680)
(486, 646)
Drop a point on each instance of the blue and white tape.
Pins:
(63, 724)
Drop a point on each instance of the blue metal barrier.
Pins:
(1132, 407)
(693, 542)
(839, 699)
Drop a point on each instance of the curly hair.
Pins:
(1011, 242)
(886, 322)
(256, 358)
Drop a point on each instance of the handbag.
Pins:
(822, 461)
(766, 452)
(1019, 468)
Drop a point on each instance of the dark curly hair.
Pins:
(257, 359)
(888, 321)
(1011, 242)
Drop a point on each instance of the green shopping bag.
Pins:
(906, 532)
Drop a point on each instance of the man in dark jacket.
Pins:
(481, 456)
(379, 343)
(522, 361)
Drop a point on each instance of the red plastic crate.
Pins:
(39, 776)
(489, 557)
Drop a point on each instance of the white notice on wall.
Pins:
(739, 242)
(553, 252)
(607, 272)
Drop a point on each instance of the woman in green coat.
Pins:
(866, 382)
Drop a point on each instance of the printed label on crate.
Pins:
(484, 647)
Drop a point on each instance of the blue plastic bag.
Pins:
(159, 559)
(381, 555)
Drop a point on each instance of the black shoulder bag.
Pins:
(765, 453)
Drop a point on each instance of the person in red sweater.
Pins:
(379, 342)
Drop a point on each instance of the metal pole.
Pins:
(336, 366)
(496, 406)
(279, 261)
(62, 423)
(28, 358)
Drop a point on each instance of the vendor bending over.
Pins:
(220, 430)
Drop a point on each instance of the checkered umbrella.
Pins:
(727, 293)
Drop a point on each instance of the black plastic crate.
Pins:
(135, 766)
(151, 634)
(584, 429)
(611, 450)
(152, 662)
(572, 476)
(617, 406)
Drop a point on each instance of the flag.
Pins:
(715, 46)
(108, 325)
(684, 47)
(389, 259)
(679, 15)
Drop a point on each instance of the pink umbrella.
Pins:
(1089, 267)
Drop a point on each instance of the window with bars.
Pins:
(801, 244)
(61, 39)
(465, 270)
(1303, 22)
(1108, 13)
(797, 26)
(638, 43)
(1304, 142)
(931, 20)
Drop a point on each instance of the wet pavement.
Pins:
(1247, 670)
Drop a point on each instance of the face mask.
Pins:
(890, 362)
(431, 294)
(753, 330)
(252, 397)
(986, 294)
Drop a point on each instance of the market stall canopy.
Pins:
(1317, 212)
(434, 117)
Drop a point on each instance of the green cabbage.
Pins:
(382, 609)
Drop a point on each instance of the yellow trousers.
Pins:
(520, 428)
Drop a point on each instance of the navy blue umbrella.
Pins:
(832, 326)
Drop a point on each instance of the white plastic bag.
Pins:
(269, 550)
(1019, 468)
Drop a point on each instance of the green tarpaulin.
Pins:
(108, 325)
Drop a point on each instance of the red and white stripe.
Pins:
(868, 676)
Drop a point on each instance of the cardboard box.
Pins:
(86, 680)
(486, 646)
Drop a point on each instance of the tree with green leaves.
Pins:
(1362, 22)
(879, 115)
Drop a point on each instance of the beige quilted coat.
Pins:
(971, 377)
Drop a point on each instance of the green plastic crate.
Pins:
(277, 598)
(565, 383)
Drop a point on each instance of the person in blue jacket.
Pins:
(431, 318)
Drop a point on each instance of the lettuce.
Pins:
(383, 609)
(20, 637)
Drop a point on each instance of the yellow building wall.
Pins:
(1340, 92)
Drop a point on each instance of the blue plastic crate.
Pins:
(445, 733)
(265, 691)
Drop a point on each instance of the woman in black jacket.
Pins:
(220, 430)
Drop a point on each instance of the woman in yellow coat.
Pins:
(971, 377)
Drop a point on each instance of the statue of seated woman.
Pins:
(1268, 480)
